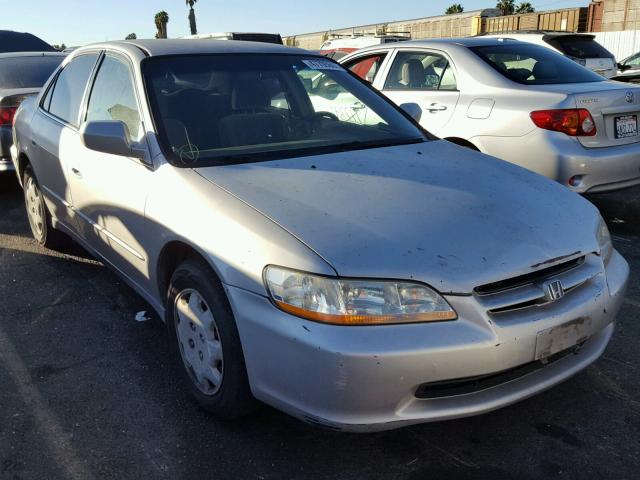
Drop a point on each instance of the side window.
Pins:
(367, 68)
(68, 91)
(46, 101)
(633, 61)
(113, 96)
(421, 71)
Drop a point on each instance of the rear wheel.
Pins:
(37, 213)
(205, 341)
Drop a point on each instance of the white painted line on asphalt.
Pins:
(57, 439)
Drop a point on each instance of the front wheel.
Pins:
(37, 213)
(205, 341)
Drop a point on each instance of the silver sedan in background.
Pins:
(520, 102)
(354, 272)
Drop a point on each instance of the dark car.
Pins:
(22, 42)
(21, 74)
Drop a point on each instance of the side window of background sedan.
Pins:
(64, 98)
(113, 97)
(420, 71)
(367, 68)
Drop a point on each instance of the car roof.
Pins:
(154, 48)
(440, 42)
(32, 54)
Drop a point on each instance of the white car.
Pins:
(580, 47)
(517, 101)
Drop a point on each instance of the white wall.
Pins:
(621, 44)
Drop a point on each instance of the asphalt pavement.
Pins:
(87, 392)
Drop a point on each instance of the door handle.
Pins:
(76, 172)
(436, 107)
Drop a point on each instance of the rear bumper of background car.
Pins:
(383, 377)
(563, 158)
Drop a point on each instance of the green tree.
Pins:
(455, 8)
(525, 7)
(60, 47)
(192, 17)
(506, 7)
(161, 19)
(131, 36)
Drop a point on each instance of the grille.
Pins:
(526, 291)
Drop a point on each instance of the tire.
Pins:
(205, 342)
(38, 214)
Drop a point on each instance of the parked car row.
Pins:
(311, 246)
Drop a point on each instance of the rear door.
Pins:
(56, 139)
(427, 78)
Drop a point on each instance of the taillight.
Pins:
(7, 114)
(575, 122)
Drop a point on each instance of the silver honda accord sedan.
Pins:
(354, 272)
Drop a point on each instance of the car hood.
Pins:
(433, 212)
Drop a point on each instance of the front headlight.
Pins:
(604, 241)
(354, 301)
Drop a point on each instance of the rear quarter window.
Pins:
(534, 65)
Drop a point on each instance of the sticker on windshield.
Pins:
(322, 65)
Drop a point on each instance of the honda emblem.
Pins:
(553, 291)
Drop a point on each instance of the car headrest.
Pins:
(250, 94)
(413, 74)
(544, 70)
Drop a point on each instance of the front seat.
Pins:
(253, 121)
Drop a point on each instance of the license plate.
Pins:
(626, 126)
(567, 335)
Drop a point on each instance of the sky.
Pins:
(77, 22)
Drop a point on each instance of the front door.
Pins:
(109, 191)
(427, 79)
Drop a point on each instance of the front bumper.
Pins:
(366, 378)
(560, 157)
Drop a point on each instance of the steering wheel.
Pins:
(329, 115)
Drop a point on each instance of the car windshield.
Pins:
(263, 107)
(27, 72)
(534, 65)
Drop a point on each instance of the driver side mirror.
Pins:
(413, 109)
(110, 136)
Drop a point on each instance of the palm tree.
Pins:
(455, 8)
(506, 7)
(192, 17)
(161, 19)
(525, 7)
